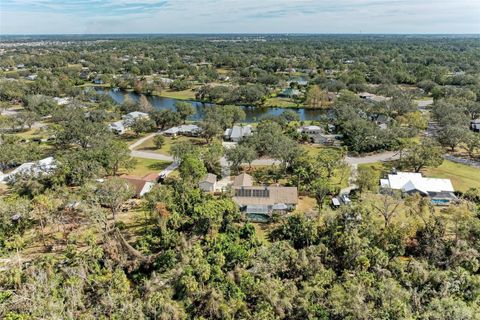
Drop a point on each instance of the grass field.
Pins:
(146, 166)
(188, 94)
(169, 142)
(281, 103)
(463, 177)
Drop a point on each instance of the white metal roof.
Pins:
(409, 181)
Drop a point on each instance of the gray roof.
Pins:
(239, 132)
(243, 180)
(210, 178)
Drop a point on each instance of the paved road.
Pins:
(379, 157)
(353, 162)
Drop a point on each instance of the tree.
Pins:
(115, 155)
(330, 159)
(427, 153)
(144, 105)
(451, 136)
(239, 155)
(367, 179)
(159, 141)
(192, 169)
(316, 97)
(113, 193)
(472, 143)
(184, 109)
(142, 125)
(165, 118)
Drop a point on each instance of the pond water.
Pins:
(253, 114)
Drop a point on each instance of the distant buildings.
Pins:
(33, 169)
(440, 191)
(290, 93)
(237, 133)
(260, 202)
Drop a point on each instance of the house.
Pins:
(208, 183)
(475, 125)
(237, 133)
(259, 203)
(62, 101)
(189, 130)
(140, 186)
(130, 118)
(440, 191)
(289, 93)
(311, 130)
(117, 127)
(31, 77)
(372, 97)
(33, 169)
(300, 82)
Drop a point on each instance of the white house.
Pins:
(117, 127)
(186, 129)
(130, 118)
(237, 133)
(208, 183)
(34, 169)
(310, 130)
(439, 190)
(62, 101)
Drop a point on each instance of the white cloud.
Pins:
(185, 16)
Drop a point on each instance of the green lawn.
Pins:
(188, 94)
(280, 103)
(463, 177)
(146, 166)
(169, 142)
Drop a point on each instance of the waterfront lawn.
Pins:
(281, 103)
(188, 94)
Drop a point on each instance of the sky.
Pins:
(239, 16)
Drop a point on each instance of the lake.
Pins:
(253, 114)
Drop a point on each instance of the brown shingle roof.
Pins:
(243, 180)
(151, 177)
(137, 183)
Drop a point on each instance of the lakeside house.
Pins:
(259, 203)
(33, 169)
(189, 130)
(141, 186)
(317, 135)
(440, 191)
(130, 118)
(208, 183)
(121, 126)
(237, 133)
(372, 97)
(289, 93)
